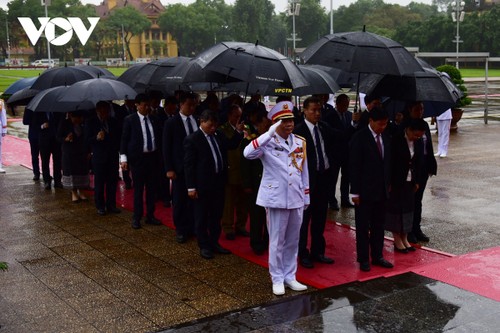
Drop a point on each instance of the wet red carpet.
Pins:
(478, 272)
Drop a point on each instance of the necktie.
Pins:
(286, 141)
(190, 126)
(319, 151)
(344, 119)
(379, 146)
(149, 138)
(218, 158)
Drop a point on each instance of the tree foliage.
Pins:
(252, 21)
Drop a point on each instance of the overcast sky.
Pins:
(280, 5)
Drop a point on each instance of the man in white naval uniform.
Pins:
(284, 192)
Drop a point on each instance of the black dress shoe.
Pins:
(364, 266)
(334, 206)
(36, 178)
(153, 221)
(306, 262)
(411, 238)
(230, 236)
(58, 185)
(411, 249)
(421, 237)
(136, 224)
(48, 186)
(114, 210)
(181, 239)
(101, 212)
(206, 254)
(258, 251)
(347, 205)
(128, 186)
(243, 233)
(382, 263)
(167, 204)
(323, 259)
(403, 250)
(221, 250)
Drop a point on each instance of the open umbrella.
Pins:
(62, 76)
(361, 52)
(100, 89)
(22, 97)
(320, 82)
(96, 71)
(19, 85)
(253, 64)
(48, 101)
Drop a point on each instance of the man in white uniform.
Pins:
(443, 125)
(284, 192)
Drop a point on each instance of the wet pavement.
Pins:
(71, 270)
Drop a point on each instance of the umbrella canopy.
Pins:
(361, 52)
(22, 97)
(96, 71)
(61, 76)
(320, 82)
(19, 85)
(252, 63)
(419, 86)
(95, 90)
(48, 101)
(431, 109)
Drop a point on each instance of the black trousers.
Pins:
(417, 212)
(105, 182)
(49, 146)
(182, 207)
(343, 168)
(259, 236)
(315, 217)
(208, 209)
(144, 171)
(35, 153)
(370, 217)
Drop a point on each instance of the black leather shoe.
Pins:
(334, 206)
(322, 259)
(411, 249)
(153, 221)
(128, 186)
(421, 237)
(411, 238)
(243, 233)
(58, 185)
(382, 263)
(167, 204)
(221, 250)
(136, 224)
(101, 212)
(364, 266)
(403, 250)
(206, 254)
(48, 186)
(306, 262)
(347, 205)
(181, 239)
(114, 210)
(230, 236)
(36, 178)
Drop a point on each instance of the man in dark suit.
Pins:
(205, 166)
(140, 149)
(48, 123)
(319, 138)
(175, 130)
(369, 159)
(103, 137)
(120, 113)
(341, 120)
(361, 119)
(33, 134)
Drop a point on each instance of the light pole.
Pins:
(458, 16)
(46, 3)
(294, 10)
(331, 17)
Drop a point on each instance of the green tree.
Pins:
(353, 17)
(279, 33)
(252, 21)
(25, 8)
(197, 26)
(102, 35)
(130, 21)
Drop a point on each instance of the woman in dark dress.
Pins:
(405, 165)
(75, 155)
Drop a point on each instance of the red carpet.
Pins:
(340, 240)
(478, 272)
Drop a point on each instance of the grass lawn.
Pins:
(474, 72)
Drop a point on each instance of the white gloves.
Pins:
(273, 128)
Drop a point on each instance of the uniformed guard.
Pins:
(284, 192)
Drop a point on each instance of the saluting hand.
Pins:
(273, 128)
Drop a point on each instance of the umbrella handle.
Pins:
(357, 94)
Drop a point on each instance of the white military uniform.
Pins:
(3, 126)
(284, 191)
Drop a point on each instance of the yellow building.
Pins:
(152, 43)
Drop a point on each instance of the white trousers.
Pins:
(443, 136)
(284, 231)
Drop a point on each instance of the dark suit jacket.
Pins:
(370, 175)
(199, 164)
(429, 163)
(132, 142)
(106, 150)
(342, 135)
(41, 118)
(173, 144)
(402, 162)
(312, 158)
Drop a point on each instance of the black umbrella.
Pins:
(253, 64)
(48, 100)
(320, 82)
(96, 71)
(22, 97)
(19, 85)
(100, 89)
(61, 76)
(361, 52)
